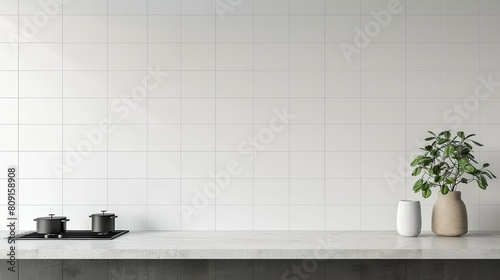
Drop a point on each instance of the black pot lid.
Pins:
(52, 217)
(104, 214)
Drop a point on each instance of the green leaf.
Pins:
(450, 180)
(429, 138)
(469, 136)
(418, 185)
(438, 179)
(432, 133)
(428, 148)
(486, 165)
(416, 171)
(416, 161)
(464, 180)
(477, 143)
(426, 193)
(482, 185)
(444, 190)
(449, 150)
(447, 134)
(463, 162)
(469, 169)
(461, 134)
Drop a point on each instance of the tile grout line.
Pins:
(215, 117)
(290, 111)
(147, 115)
(253, 114)
(324, 119)
(107, 104)
(360, 129)
(180, 115)
(18, 103)
(62, 108)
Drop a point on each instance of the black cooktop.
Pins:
(72, 235)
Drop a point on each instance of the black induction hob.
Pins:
(71, 235)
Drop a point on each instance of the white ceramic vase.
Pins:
(409, 218)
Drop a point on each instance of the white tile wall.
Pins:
(144, 107)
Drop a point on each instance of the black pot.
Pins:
(103, 222)
(51, 225)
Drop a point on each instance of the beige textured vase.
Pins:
(449, 215)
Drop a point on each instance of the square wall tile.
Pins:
(85, 84)
(271, 218)
(164, 192)
(307, 192)
(307, 29)
(163, 28)
(424, 28)
(343, 138)
(383, 56)
(86, 56)
(234, 84)
(307, 56)
(232, 137)
(127, 165)
(127, 7)
(9, 86)
(424, 7)
(40, 138)
(342, 7)
(343, 165)
(137, 217)
(234, 218)
(460, 7)
(164, 218)
(128, 138)
(40, 111)
(342, 28)
(307, 165)
(307, 7)
(11, 142)
(264, 7)
(383, 138)
(197, 7)
(88, 7)
(383, 84)
(234, 111)
(93, 165)
(461, 29)
(127, 29)
(307, 84)
(307, 111)
(342, 83)
(40, 84)
(90, 28)
(197, 29)
(120, 59)
(39, 56)
(40, 192)
(40, 165)
(164, 7)
(235, 29)
(127, 192)
(197, 218)
(234, 56)
(271, 56)
(378, 217)
(236, 192)
(383, 111)
(271, 192)
(198, 84)
(164, 137)
(271, 28)
(271, 165)
(307, 217)
(343, 218)
(164, 165)
(198, 138)
(198, 56)
(82, 192)
(307, 138)
(343, 192)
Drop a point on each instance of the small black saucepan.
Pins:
(51, 225)
(103, 222)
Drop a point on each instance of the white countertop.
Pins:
(263, 245)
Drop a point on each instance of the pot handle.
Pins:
(113, 217)
(67, 220)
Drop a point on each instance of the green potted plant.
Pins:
(446, 163)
